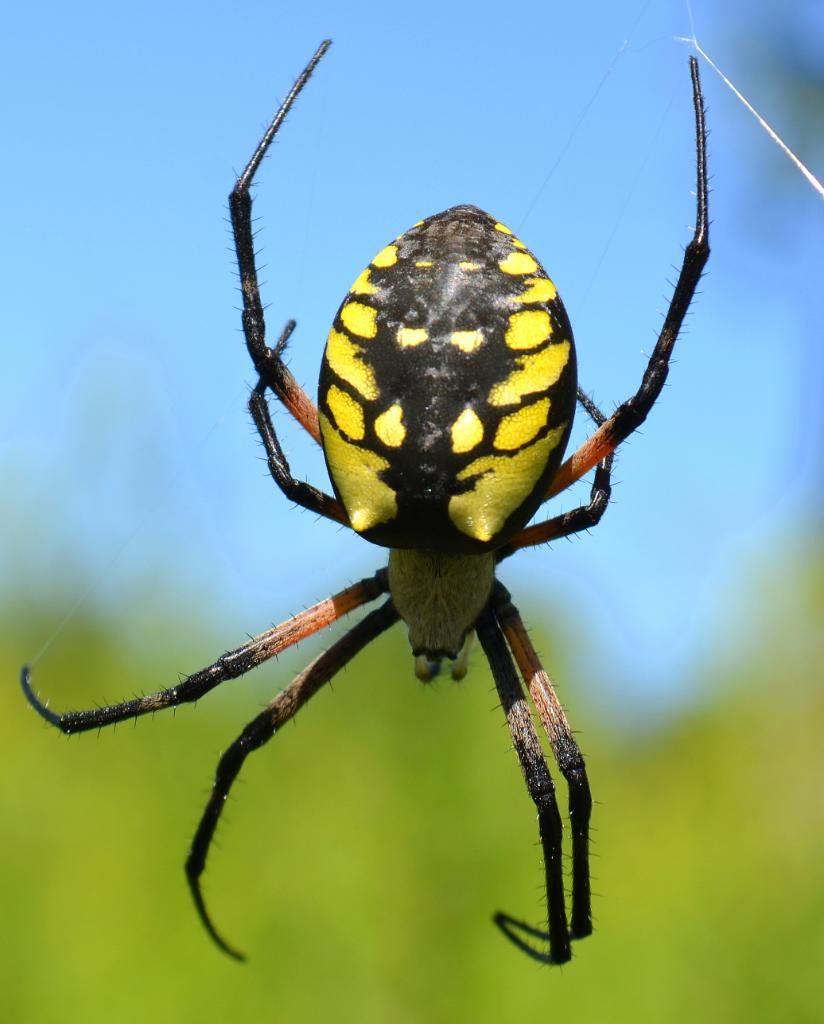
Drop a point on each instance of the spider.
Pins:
(446, 397)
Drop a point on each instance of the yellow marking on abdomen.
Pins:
(367, 499)
(504, 484)
(410, 336)
(467, 432)
(528, 329)
(345, 359)
(518, 263)
(387, 257)
(389, 426)
(346, 412)
(423, 263)
(469, 265)
(360, 319)
(536, 373)
(503, 228)
(467, 341)
(362, 285)
(540, 289)
(519, 428)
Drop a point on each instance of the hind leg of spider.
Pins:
(228, 666)
(260, 730)
(632, 413)
(564, 748)
(541, 790)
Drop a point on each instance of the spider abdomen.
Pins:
(447, 387)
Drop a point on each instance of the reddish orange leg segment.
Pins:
(228, 666)
(541, 789)
(632, 413)
(268, 362)
(291, 395)
(564, 748)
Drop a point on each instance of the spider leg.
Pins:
(260, 730)
(565, 749)
(240, 211)
(268, 362)
(632, 413)
(590, 408)
(299, 491)
(582, 518)
(289, 393)
(228, 666)
(538, 782)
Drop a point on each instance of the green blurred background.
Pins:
(364, 850)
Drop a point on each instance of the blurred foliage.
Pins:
(365, 849)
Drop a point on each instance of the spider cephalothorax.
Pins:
(446, 397)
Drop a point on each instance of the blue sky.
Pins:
(129, 461)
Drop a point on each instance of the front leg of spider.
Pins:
(268, 362)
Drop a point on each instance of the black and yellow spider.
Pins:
(446, 397)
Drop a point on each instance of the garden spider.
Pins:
(446, 398)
